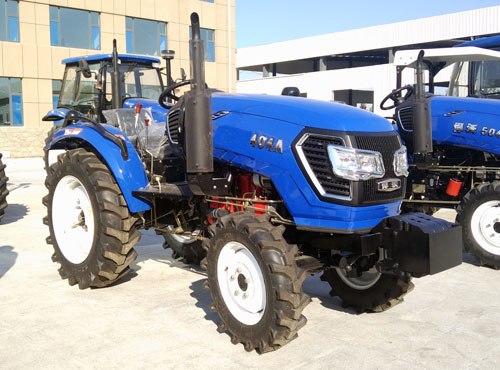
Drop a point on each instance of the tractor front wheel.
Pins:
(255, 282)
(91, 228)
(3, 188)
(479, 215)
(371, 291)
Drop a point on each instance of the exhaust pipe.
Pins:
(422, 124)
(198, 109)
(116, 88)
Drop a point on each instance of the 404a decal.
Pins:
(270, 144)
(473, 128)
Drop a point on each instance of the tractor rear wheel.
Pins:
(372, 291)
(254, 281)
(479, 215)
(48, 139)
(91, 228)
(3, 188)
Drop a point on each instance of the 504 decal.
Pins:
(471, 128)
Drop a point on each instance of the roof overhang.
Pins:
(408, 58)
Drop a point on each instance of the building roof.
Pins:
(424, 30)
(123, 57)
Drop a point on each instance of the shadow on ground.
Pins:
(7, 259)
(14, 212)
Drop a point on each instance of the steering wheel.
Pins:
(168, 93)
(397, 97)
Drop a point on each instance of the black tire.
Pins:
(3, 188)
(115, 229)
(387, 292)
(478, 245)
(189, 251)
(282, 278)
(48, 139)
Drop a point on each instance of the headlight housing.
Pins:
(400, 162)
(356, 164)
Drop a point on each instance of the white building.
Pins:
(355, 66)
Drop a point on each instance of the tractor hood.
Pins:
(466, 122)
(301, 111)
(446, 104)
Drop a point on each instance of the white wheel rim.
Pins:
(485, 226)
(365, 281)
(73, 219)
(241, 283)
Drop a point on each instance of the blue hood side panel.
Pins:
(303, 112)
(129, 174)
(232, 134)
(480, 119)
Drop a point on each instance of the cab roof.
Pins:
(484, 42)
(107, 57)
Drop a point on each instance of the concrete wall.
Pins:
(37, 62)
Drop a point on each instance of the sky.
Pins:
(261, 22)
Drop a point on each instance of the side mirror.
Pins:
(84, 68)
(290, 91)
(183, 74)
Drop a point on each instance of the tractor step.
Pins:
(165, 190)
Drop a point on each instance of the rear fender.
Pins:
(129, 174)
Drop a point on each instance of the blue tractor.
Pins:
(266, 189)
(461, 169)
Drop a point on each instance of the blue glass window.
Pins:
(56, 90)
(9, 20)
(208, 1)
(145, 37)
(208, 38)
(74, 28)
(11, 102)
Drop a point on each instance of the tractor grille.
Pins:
(406, 118)
(386, 145)
(316, 154)
(173, 125)
(312, 152)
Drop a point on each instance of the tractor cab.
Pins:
(416, 104)
(480, 79)
(87, 88)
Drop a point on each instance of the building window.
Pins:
(11, 102)
(208, 1)
(208, 38)
(9, 20)
(56, 90)
(145, 37)
(74, 28)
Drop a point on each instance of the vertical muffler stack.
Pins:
(422, 124)
(198, 113)
(116, 89)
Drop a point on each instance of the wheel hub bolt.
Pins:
(236, 292)
(233, 277)
(238, 270)
(247, 280)
(245, 295)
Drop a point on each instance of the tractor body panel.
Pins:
(129, 173)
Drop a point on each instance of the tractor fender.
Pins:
(129, 173)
